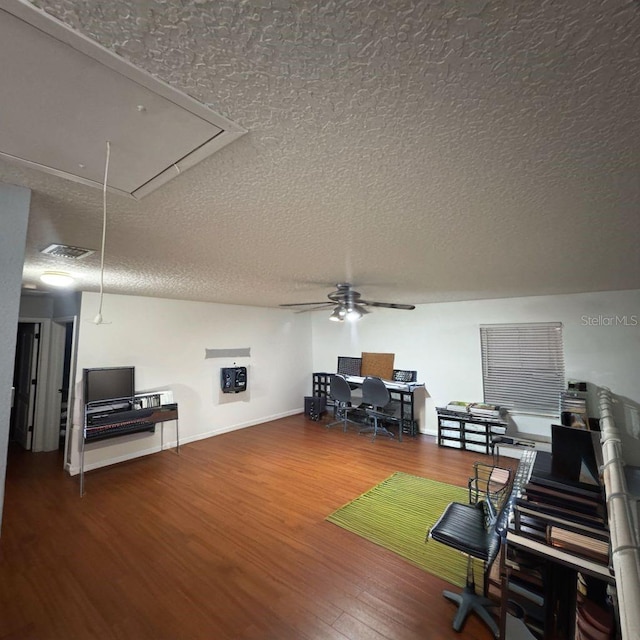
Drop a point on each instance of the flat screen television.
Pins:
(108, 383)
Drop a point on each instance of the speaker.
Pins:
(233, 379)
(314, 406)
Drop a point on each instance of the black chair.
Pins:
(489, 481)
(340, 391)
(471, 529)
(376, 401)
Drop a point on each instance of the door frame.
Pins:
(46, 431)
(43, 376)
(23, 406)
(71, 400)
(46, 436)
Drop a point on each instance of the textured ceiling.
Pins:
(426, 151)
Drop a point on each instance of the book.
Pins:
(586, 631)
(457, 405)
(542, 509)
(481, 409)
(570, 559)
(570, 489)
(596, 617)
(526, 515)
(551, 493)
(531, 528)
(527, 577)
(559, 500)
(583, 545)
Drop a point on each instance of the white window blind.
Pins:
(523, 366)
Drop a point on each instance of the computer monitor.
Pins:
(573, 455)
(348, 366)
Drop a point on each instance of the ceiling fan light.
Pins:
(355, 312)
(339, 314)
(57, 278)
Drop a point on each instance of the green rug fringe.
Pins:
(397, 515)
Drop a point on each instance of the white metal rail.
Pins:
(622, 509)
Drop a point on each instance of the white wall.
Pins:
(54, 304)
(14, 215)
(442, 341)
(166, 340)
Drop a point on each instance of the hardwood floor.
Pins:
(226, 541)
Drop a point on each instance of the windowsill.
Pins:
(550, 416)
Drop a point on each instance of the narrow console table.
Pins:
(106, 420)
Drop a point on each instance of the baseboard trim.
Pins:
(74, 470)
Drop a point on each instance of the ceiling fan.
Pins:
(348, 304)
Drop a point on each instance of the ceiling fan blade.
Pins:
(324, 305)
(303, 304)
(388, 305)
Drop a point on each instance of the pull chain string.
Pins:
(104, 230)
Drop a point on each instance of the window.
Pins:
(523, 366)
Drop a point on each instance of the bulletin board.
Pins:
(379, 365)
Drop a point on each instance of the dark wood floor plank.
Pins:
(227, 540)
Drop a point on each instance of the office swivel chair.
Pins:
(340, 391)
(471, 529)
(378, 406)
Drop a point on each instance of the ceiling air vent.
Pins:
(67, 251)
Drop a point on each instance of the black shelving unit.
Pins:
(556, 584)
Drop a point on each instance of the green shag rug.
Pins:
(397, 515)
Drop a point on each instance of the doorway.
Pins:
(40, 413)
(65, 404)
(25, 383)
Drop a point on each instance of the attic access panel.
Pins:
(64, 96)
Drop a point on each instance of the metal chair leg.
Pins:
(339, 410)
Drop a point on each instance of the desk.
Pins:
(401, 392)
